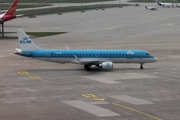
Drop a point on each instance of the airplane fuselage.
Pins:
(7, 17)
(68, 56)
(103, 59)
(165, 4)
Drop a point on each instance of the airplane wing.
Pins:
(91, 61)
(150, 8)
(153, 8)
(19, 15)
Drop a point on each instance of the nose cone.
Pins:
(155, 59)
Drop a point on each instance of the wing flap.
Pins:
(91, 61)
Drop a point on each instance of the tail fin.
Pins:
(146, 7)
(12, 8)
(25, 42)
(157, 1)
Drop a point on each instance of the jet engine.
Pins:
(106, 65)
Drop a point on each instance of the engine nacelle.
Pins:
(106, 65)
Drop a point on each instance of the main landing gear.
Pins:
(87, 67)
(141, 66)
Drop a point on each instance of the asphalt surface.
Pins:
(31, 89)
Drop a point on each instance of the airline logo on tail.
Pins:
(12, 11)
(12, 8)
(25, 41)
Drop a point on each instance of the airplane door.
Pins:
(97, 55)
(47, 55)
(140, 56)
(128, 58)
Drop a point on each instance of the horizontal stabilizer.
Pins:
(20, 15)
(18, 50)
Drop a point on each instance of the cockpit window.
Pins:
(147, 54)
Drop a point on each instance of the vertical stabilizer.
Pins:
(25, 42)
(12, 8)
(157, 1)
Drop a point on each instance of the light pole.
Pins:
(32, 8)
(59, 12)
(120, 4)
(102, 5)
(82, 7)
(2, 5)
(31, 15)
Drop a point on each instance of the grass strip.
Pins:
(35, 34)
(44, 34)
(6, 6)
(153, 1)
(57, 1)
(68, 9)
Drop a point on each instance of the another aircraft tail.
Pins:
(25, 42)
(157, 1)
(146, 7)
(12, 8)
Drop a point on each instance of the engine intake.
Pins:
(106, 65)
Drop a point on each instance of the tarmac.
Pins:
(31, 89)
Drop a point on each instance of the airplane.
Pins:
(177, 5)
(150, 8)
(103, 59)
(10, 13)
(164, 4)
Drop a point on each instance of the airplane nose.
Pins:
(155, 59)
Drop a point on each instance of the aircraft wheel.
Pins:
(87, 67)
(141, 66)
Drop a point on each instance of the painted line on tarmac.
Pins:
(28, 75)
(137, 111)
(34, 77)
(131, 100)
(92, 96)
(23, 73)
(90, 108)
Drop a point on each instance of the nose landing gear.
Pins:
(141, 66)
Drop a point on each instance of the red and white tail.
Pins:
(12, 9)
(10, 13)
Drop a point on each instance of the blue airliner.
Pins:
(103, 59)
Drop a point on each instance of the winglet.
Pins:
(67, 47)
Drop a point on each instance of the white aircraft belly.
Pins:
(114, 60)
